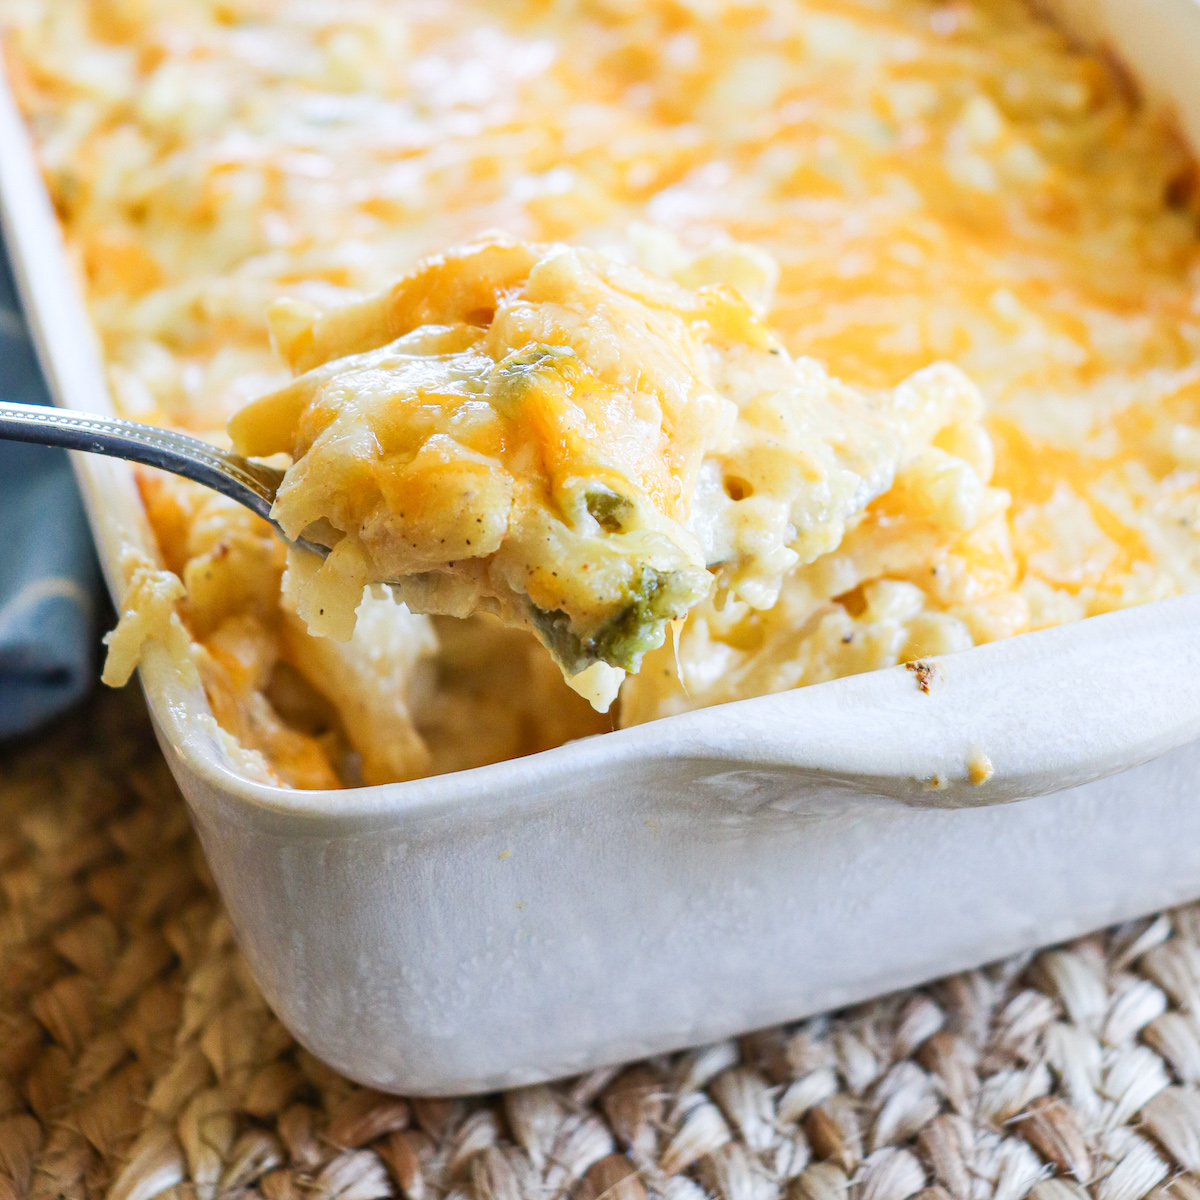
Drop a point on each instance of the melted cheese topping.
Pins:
(936, 181)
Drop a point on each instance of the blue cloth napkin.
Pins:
(47, 565)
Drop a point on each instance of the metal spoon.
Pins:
(250, 483)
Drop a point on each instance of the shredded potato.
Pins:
(147, 614)
(887, 187)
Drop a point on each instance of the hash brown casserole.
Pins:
(888, 186)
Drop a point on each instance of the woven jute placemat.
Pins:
(137, 1059)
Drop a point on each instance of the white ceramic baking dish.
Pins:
(703, 875)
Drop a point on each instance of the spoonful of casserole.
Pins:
(513, 429)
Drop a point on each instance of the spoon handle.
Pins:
(249, 483)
